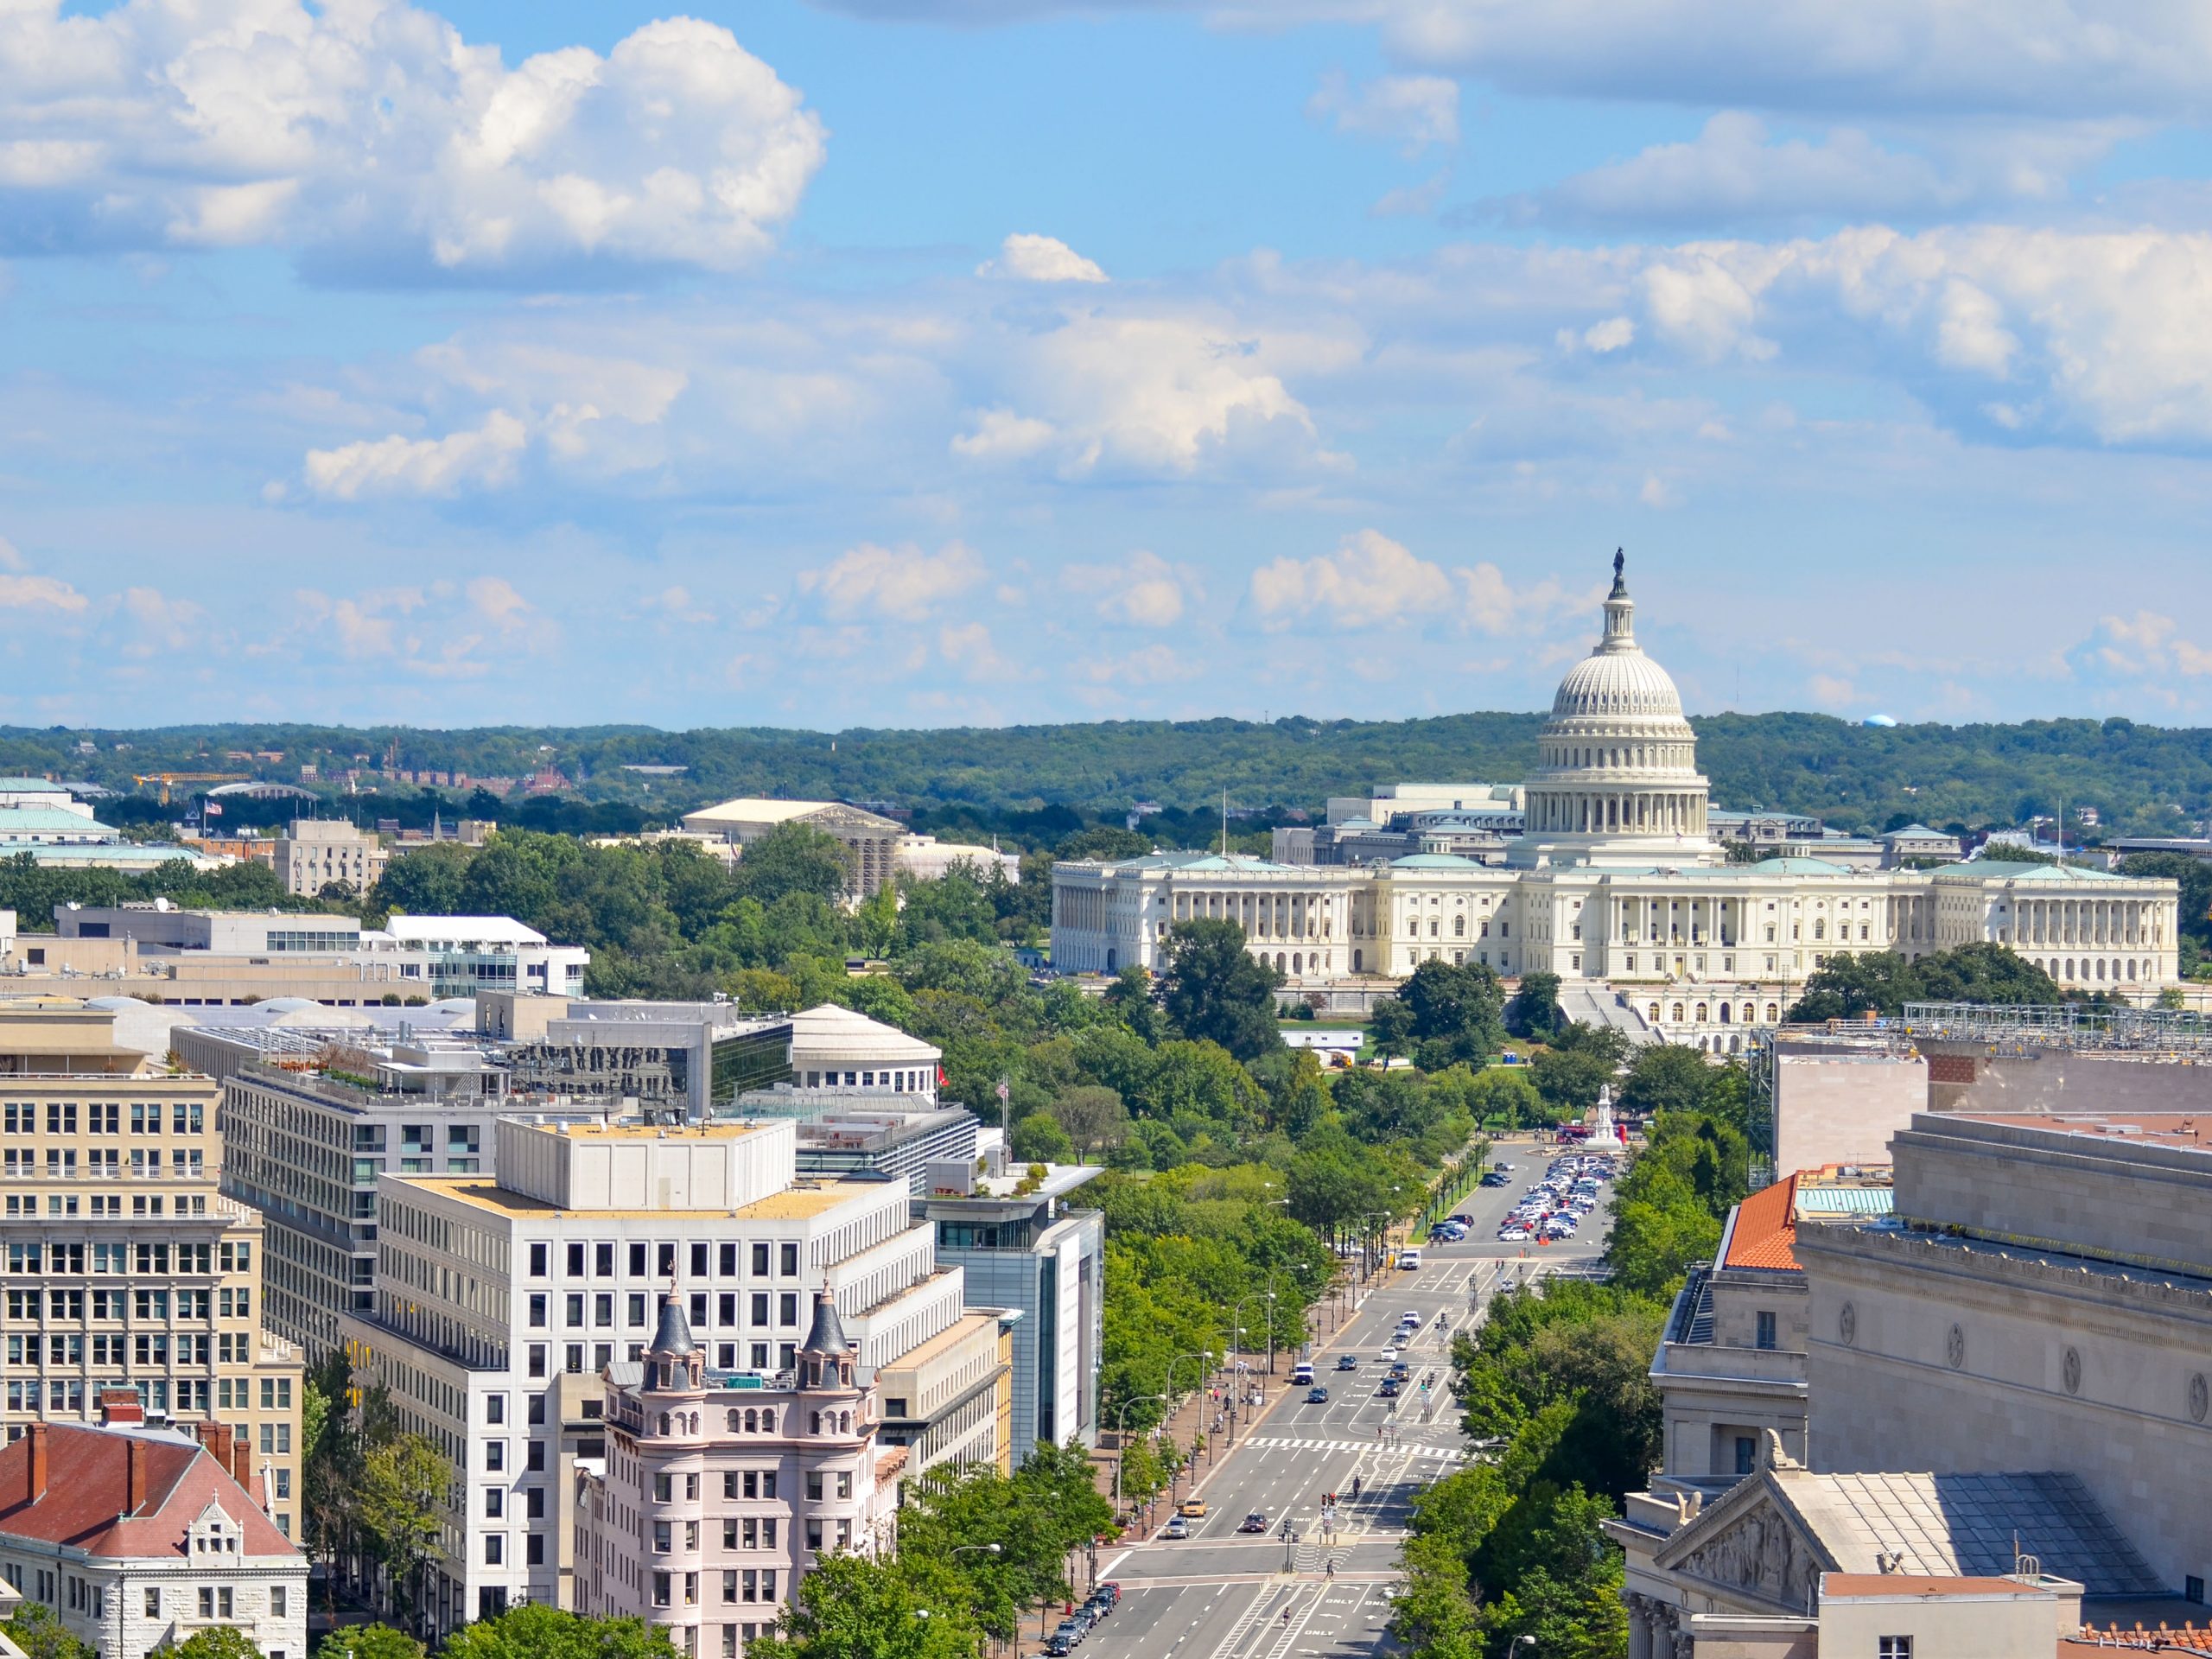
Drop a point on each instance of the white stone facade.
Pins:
(500, 1304)
(1615, 879)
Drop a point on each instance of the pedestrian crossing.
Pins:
(1290, 1443)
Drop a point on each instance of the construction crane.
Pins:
(165, 779)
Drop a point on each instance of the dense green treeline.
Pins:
(1038, 784)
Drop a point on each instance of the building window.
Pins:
(1766, 1330)
(2192, 1588)
(278, 1602)
(153, 1603)
(1747, 1454)
(1893, 1647)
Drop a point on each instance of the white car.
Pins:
(1513, 1236)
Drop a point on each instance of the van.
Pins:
(1409, 1258)
(1301, 1374)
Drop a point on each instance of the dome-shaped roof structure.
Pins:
(1617, 778)
(1613, 682)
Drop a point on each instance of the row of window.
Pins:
(67, 1306)
(662, 1258)
(602, 1309)
(102, 1117)
(23, 1164)
(602, 1353)
(69, 1258)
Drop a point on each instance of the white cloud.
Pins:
(1155, 393)
(2145, 646)
(901, 584)
(968, 649)
(1412, 112)
(1143, 590)
(376, 140)
(1494, 605)
(1029, 258)
(1657, 492)
(1369, 580)
(1001, 435)
(498, 603)
(1153, 664)
(396, 466)
(25, 593)
(163, 621)
(1831, 691)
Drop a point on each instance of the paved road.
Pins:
(1222, 1595)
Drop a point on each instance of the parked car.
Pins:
(1059, 1642)
(1256, 1522)
(1110, 1590)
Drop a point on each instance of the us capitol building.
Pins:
(1616, 885)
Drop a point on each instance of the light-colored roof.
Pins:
(1434, 861)
(799, 1202)
(1617, 680)
(1801, 866)
(473, 930)
(719, 1129)
(1963, 1526)
(830, 1029)
(1919, 832)
(31, 787)
(753, 808)
(35, 820)
(1887, 1586)
(1996, 869)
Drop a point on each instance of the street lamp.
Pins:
(973, 1549)
(1204, 1356)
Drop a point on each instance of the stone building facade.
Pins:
(1615, 878)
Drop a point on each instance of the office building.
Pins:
(318, 853)
(681, 1059)
(500, 1303)
(139, 1538)
(126, 1267)
(1025, 1248)
(833, 1047)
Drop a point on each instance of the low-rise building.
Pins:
(832, 1047)
(139, 1538)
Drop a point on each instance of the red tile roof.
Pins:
(1764, 1229)
(2108, 1640)
(85, 1500)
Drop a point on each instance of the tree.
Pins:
(1107, 843)
(1668, 1077)
(404, 1484)
(1213, 989)
(855, 1607)
(368, 1642)
(217, 1641)
(1882, 982)
(536, 1631)
(1568, 1079)
(1535, 1012)
(1391, 1026)
(795, 857)
(1093, 1118)
(1459, 1013)
(39, 1632)
(1039, 1139)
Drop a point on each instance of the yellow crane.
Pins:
(165, 779)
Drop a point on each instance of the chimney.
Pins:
(36, 1435)
(242, 1464)
(134, 1476)
(216, 1438)
(120, 1406)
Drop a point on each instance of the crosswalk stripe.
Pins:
(1281, 1443)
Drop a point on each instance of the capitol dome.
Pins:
(1616, 779)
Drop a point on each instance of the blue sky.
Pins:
(915, 362)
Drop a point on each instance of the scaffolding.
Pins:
(2027, 1027)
